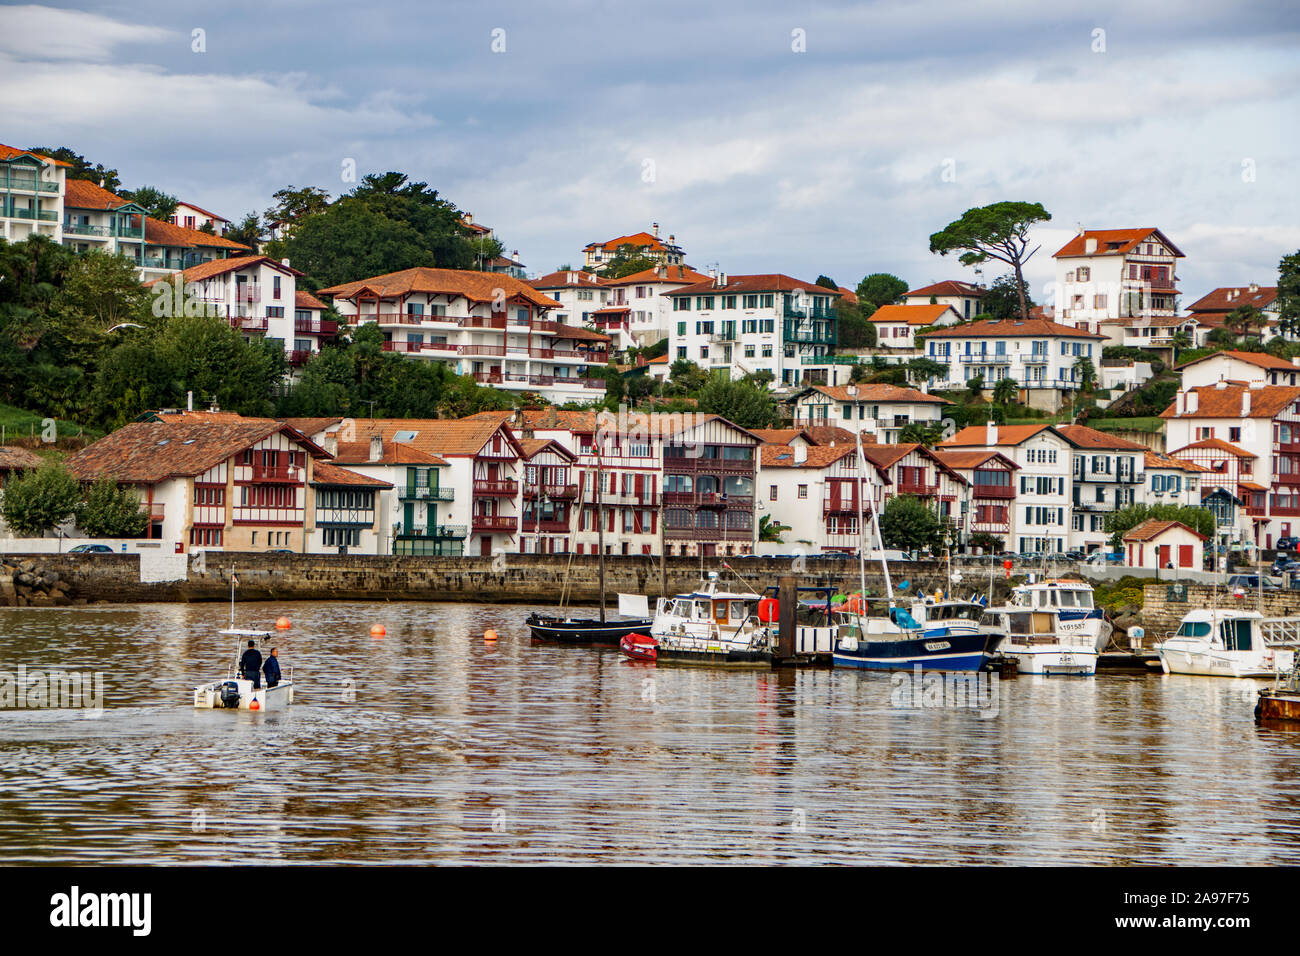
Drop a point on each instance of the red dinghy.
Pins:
(639, 647)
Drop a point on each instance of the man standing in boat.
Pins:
(250, 665)
(272, 669)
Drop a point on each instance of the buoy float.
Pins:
(254, 705)
(282, 624)
(489, 636)
(378, 630)
(769, 610)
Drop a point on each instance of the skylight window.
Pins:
(405, 437)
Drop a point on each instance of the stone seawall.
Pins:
(519, 578)
(1163, 606)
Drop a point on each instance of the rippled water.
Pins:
(455, 750)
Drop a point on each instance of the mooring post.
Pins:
(788, 595)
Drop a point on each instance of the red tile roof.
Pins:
(532, 447)
(1007, 435)
(444, 437)
(1260, 359)
(390, 453)
(305, 300)
(1228, 401)
(1081, 436)
(1227, 298)
(568, 279)
(767, 282)
(1154, 528)
(674, 275)
(474, 286)
(638, 239)
(911, 314)
(83, 194)
(972, 459)
(1112, 242)
(1011, 328)
(9, 152)
(817, 456)
(848, 295)
(218, 267)
(1215, 444)
(332, 475)
(949, 287)
(13, 458)
(159, 233)
(200, 209)
(1158, 461)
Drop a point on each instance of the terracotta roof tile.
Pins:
(877, 393)
(1157, 461)
(1011, 328)
(818, 456)
(9, 152)
(667, 275)
(1006, 435)
(971, 459)
(1260, 359)
(1216, 444)
(911, 314)
(1112, 242)
(568, 279)
(391, 453)
(948, 287)
(1154, 528)
(533, 446)
(1084, 437)
(444, 437)
(218, 267)
(1228, 401)
(1227, 298)
(765, 282)
(305, 300)
(12, 458)
(158, 233)
(474, 286)
(200, 209)
(638, 239)
(83, 194)
(332, 475)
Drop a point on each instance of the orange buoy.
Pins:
(282, 624)
(378, 630)
(769, 610)
(489, 636)
(254, 705)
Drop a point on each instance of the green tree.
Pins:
(158, 204)
(1118, 523)
(1085, 371)
(1006, 391)
(626, 261)
(246, 232)
(1180, 341)
(1288, 292)
(292, 205)
(1245, 320)
(998, 231)
(742, 402)
(39, 500)
(975, 385)
(855, 330)
(826, 282)
(81, 168)
(685, 377)
(879, 288)
(770, 529)
(926, 370)
(908, 525)
(925, 433)
(110, 511)
(1001, 300)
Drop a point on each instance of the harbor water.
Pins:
(431, 745)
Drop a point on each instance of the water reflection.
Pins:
(431, 745)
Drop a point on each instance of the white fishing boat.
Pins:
(1069, 601)
(1224, 642)
(236, 690)
(1035, 639)
(709, 625)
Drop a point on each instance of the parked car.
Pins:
(1076, 555)
(91, 549)
(1252, 582)
(1288, 544)
(1284, 564)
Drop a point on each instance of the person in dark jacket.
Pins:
(250, 665)
(272, 669)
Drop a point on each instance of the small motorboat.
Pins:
(551, 628)
(236, 692)
(1225, 642)
(711, 626)
(639, 647)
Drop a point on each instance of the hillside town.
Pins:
(1016, 427)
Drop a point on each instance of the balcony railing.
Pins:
(496, 523)
(38, 214)
(395, 346)
(528, 523)
(482, 322)
(28, 183)
(839, 506)
(300, 356)
(269, 473)
(642, 499)
(435, 531)
(918, 488)
(248, 323)
(993, 491)
(496, 489)
(154, 510)
(427, 493)
(489, 378)
(316, 326)
(708, 499)
(551, 491)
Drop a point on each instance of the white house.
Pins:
(196, 217)
(1039, 355)
(896, 325)
(31, 195)
(1108, 473)
(745, 324)
(963, 297)
(1115, 273)
(665, 252)
(1164, 544)
(1171, 481)
(639, 307)
(1235, 366)
(882, 410)
(812, 491)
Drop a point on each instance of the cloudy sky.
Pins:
(804, 138)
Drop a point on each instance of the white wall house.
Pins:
(813, 492)
(31, 195)
(195, 217)
(963, 297)
(880, 409)
(496, 328)
(1038, 355)
(639, 307)
(1115, 273)
(1108, 473)
(1171, 481)
(736, 325)
(1164, 544)
(596, 255)
(896, 325)
(1235, 366)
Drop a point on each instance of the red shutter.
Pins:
(1185, 555)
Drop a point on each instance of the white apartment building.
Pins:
(896, 325)
(31, 195)
(196, 217)
(881, 410)
(963, 297)
(1041, 513)
(639, 310)
(737, 325)
(1108, 473)
(1171, 481)
(580, 295)
(1235, 366)
(1115, 273)
(1037, 354)
(813, 492)
(496, 328)
(1247, 436)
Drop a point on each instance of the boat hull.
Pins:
(955, 652)
(210, 697)
(1274, 705)
(639, 647)
(556, 630)
(1198, 659)
(1053, 660)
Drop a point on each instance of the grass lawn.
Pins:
(18, 422)
(1151, 425)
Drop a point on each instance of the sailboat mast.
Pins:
(600, 528)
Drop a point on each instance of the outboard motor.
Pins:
(230, 694)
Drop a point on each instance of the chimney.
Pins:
(655, 226)
(722, 280)
(331, 444)
(713, 272)
(1079, 228)
(1090, 245)
(1193, 401)
(1254, 287)
(991, 433)
(189, 401)
(1245, 403)
(468, 217)
(285, 263)
(658, 267)
(376, 447)
(515, 256)
(672, 240)
(800, 454)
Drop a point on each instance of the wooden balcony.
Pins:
(993, 491)
(496, 489)
(495, 523)
(919, 489)
(276, 473)
(554, 492)
(300, 356)
(315, 326)
(840, 506)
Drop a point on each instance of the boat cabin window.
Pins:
(1020, 624)
(1085, 598)
(1194, 629)
(738, 611)
(720, 612)
(1067, 598)
(682, 607)
(702, 610)
(1236, 634)
(968, 612)
(1042, 599)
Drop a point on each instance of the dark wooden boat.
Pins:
(553, 629)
